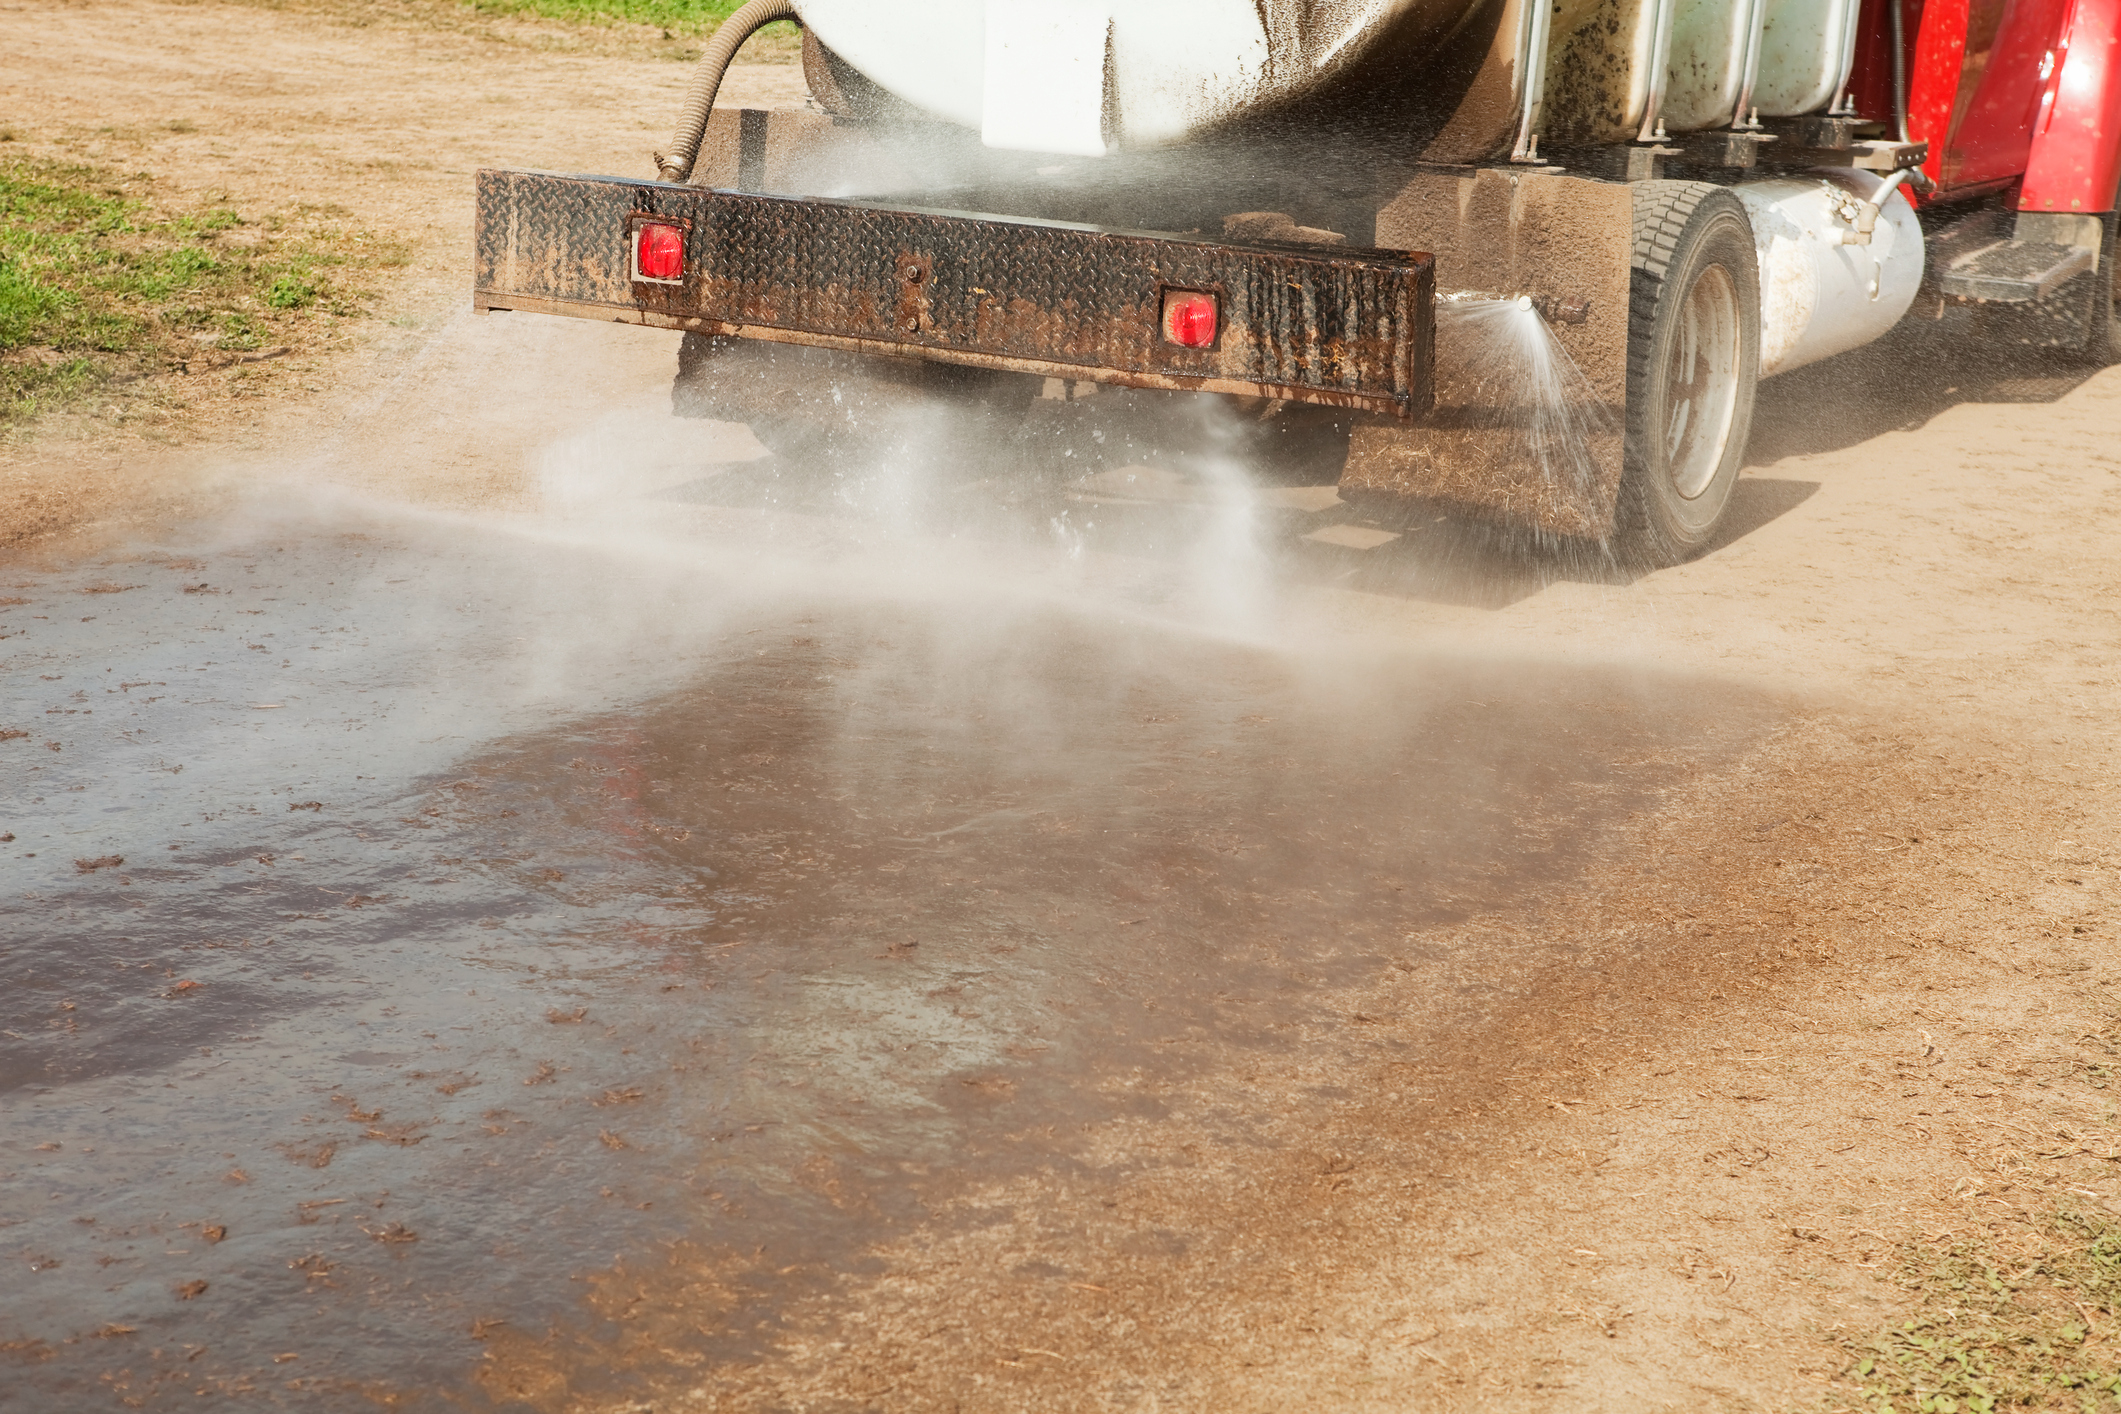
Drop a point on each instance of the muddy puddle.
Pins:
(405, 931)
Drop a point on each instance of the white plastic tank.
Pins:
(1083, 76)
(1822, 293)
(1806, 49)
(1086, 77)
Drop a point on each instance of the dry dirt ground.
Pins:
(374, 116)
(1854, 997)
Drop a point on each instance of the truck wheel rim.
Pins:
(1701, 382)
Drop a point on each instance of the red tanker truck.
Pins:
(1310, 212)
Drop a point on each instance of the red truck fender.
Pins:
(2075, 164)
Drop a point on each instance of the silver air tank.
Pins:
(1840, 261)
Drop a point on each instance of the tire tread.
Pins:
(1662, 211)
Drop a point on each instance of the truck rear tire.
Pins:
(1693, 365)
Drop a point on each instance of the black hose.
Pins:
(676, 166)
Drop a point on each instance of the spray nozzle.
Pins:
(1555, 309)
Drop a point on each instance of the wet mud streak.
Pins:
(952, 920)
(758, 954)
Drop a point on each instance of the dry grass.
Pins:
(2020, 1317)
(105, 289)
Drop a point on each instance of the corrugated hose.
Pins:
(676, 166)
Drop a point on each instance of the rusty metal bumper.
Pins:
(1340, 328)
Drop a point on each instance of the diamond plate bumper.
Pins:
(1347, 329)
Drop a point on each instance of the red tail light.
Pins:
(659, 254)
(1189, 318)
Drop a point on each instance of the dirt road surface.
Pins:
(509, 904)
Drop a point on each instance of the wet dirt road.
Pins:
(403, 923)
(1729, 937)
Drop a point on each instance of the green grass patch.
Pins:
(1999, 1329)
(675, 16)
(662, 29)
(98, 286)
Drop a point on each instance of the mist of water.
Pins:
(1503, 369)
(922, 515)
(824, 790)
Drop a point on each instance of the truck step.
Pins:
(2017, 271)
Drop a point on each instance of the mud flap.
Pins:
(1494, 445)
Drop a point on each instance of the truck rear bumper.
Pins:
(1339, 328)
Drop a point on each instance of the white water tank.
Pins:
(1079, 76)
(1089, 76)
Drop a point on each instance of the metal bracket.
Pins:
(1630, 162)
(1829, 141)
(1817, 132)
(1880, 155)
(1726, 147)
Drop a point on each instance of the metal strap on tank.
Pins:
(1660, 62)
(1531, 76)
(1851, 18)
(1755, 34)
